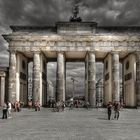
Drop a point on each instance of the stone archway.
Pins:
(76, 40)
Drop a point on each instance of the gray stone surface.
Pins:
(2, 89)
(12, 77)
(36, 77)
(115, 77)
(138, 78)
(60, 80)
(91, 79)
(76, 124)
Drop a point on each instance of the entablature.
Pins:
(61, 38)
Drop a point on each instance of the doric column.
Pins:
(60, 85)
(12, 77)
(138, 78)
(2, 90)
(18, 86)
(43, 81)
(86, 79)
(123, 85)
(115, 77)
(36, 76)
(91, 79)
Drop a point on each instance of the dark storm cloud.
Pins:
(47, 12)
(43, 12)
(4, 55)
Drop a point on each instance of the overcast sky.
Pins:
(47, 12)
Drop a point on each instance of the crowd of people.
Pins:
(7, 109)
(58, 106)
(113, 106)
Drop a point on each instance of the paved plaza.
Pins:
(76, 124)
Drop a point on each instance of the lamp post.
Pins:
(73, 80)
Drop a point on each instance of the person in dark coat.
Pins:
(117, 110)
(4, 110)
(109, 110)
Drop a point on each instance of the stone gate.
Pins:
(68, 41)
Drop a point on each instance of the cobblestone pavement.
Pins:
(76, 124)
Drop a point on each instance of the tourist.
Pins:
(30, 104)
(86, 105)
(37, 106)
(9, 108)
(18, 106)
(116, 110)
(49, 103)
(76, 103)
(4, 110)
(97, 104)
(54, 106)
(71, 104)
(58, 106)
(53, 103)
(63, 105)
(109, 109)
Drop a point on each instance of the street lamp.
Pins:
(73, 80)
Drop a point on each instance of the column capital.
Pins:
(36, 52)
(89, 52)
(60, 52)
(12, 51)
(2, 74)
(114, 52)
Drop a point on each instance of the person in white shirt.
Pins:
(9, 109)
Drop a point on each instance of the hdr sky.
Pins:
(47, 12)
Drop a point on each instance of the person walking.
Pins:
(109, 110)
(18, 106)
(87, 105)
(4, 110)
(37, 106)
(30, 104)
(116, 110)
(9, 108)
(53, 103)
(58, 106)
(63, 105)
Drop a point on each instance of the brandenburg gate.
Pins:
(75, 40)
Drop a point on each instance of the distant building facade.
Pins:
(99, 92)
(3, 85)
(50, 91)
